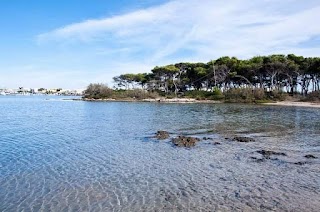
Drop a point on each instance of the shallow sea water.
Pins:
(58, 155)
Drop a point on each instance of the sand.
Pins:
(296, 104)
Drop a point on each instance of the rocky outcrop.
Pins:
(183, 141)
(243, 139)
(162, 135)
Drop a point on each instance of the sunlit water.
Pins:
(60, 155)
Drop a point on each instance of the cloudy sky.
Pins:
(70, 43)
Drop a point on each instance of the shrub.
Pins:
(313, 97)
(259, 94)
(141, 94)
(277, 95)
(239, 95)
(216, 94)
(216, 91)
(98, 91)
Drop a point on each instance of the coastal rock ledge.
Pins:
(183, 141)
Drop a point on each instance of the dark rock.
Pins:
(183, 141)
(267, 153)
(310, 157)
(161, 135)
(206, 138)
(217, 143)
(300, 163)
(257, 159)
(243, 139)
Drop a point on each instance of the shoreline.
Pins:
(190, 100)
(158, 100)
(294, 104)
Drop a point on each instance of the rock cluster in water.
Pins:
(162, 135)
(183, 141)
(243, 139)
(268, 153)
(188, 141)
(310, 157)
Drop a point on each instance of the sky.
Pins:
(71, 43)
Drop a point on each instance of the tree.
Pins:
(273, 66)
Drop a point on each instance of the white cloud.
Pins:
(219, 26)
(193, 30)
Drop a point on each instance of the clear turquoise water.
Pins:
(87, 156)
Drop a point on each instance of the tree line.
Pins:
(285, 73)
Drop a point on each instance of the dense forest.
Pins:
(289, 74)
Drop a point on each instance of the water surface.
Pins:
(95, 156)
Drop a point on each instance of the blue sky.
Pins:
(71, 43)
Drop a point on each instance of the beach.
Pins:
(295, 104)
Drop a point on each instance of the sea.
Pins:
(57, 154)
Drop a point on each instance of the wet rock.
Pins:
(206, 138)
(161, 135)
(257, 159)
(267, 153)
(310, 157)
(243, 139)
(300, 163)
(217, 143)
(183, 141)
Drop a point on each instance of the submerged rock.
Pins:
(161, 135)
(257, 159)
(300, 163)
(310, 157)
(268, 153)
(243, 139)
(183, 141)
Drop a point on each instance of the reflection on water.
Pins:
(65, 155)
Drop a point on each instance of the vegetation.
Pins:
(260, 78)
(101, 91)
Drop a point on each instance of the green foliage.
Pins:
(245, 95)
(239, 95)
(242, 80)
(137, 94)
(277, 95)
(312, 97)
(216, 91)
(205, 95)
(101, 91)
(98, 91)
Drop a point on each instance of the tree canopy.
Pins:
(288, 73)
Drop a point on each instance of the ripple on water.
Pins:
(84, 156)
